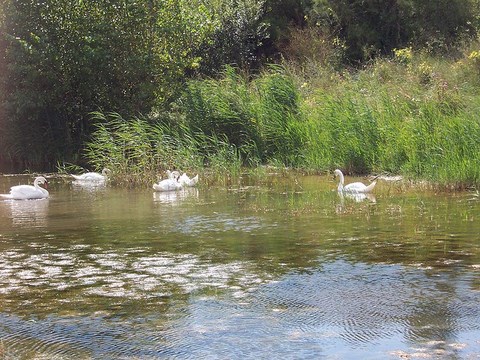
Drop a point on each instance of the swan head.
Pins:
(173, 174)
(337, 172)
(106, 171)
(40, 180)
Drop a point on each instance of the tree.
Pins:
(239, 33)
(67, 58)
(373, 27)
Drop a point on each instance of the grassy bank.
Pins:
(411, 115)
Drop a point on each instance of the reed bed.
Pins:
(417, 118)
(139, 152)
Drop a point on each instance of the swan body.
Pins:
(186, 181)
(356, 187)
(167, 185)
(27, 192)
(93, 176)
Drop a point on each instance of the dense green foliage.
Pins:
(190, 87)
(370, 27)
(66, 59)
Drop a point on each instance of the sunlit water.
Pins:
(284, 268)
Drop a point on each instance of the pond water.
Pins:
(279, 268)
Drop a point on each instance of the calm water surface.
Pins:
(278, 269)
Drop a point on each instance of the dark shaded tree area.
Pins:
(60, 60)
(64, 60)
(374, 27)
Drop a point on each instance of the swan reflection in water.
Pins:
(28, 212)
(89, 186)
(357, 197)
(353, 198)
(173, 197)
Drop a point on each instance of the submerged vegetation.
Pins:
(214, 86)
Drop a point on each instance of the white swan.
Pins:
(93, 176)
(167, 185)
(26, 192)
(186, 181)
(356, 187)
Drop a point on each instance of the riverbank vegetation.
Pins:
(214, 86)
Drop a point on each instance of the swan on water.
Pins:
(93, 176)
(175, 182)
(186, 181)
(356, 187)
(27, 192)
(168, 185)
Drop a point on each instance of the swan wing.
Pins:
(358, 187)
(184, 179)
(194, 180)
(370, 187)
(354, 187)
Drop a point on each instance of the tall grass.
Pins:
(423, 142)
(279, 117)
(256, 116)
(224, 109)
(418, 119)
(139, 152)
(410, 115)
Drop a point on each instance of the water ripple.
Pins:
(132, 275)
(363, 304)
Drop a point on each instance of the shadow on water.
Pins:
(284, 268)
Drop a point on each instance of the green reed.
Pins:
(139, 152)
(420, 141)
(257, 115)
(418, 118)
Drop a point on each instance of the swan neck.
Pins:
(340, 184)
(36, 183)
